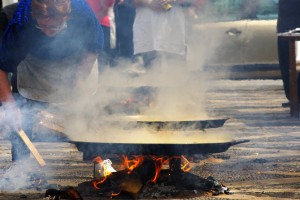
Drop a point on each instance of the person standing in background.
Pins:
(160, 31)
(124, 12)
(288, 19)
(101, 9)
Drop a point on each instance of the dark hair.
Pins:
(50, 8)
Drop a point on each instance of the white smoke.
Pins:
(18, 175)
(170, 90)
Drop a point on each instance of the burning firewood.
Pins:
(70, 193)
(54, 194)
(148, 177)
(133, 182)
(73, 194)
(139, 171)
(131, 185)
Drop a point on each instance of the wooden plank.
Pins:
(32, 148)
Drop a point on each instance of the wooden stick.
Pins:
(32, 148)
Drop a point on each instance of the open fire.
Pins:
(137, 176)
(129, 164)
(141, 176)
(147, 162)
(136, 172)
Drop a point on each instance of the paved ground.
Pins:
(267, 167)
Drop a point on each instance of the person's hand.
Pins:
(158, 5)
(12, 116)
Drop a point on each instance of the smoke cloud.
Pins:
(19, 176)
(170, 91)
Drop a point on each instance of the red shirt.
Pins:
(100, 8)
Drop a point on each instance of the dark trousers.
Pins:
(105, 56)
(124, 19)
(283, 56)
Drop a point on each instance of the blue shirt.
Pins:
(83, 34)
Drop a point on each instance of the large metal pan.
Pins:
(92, 149)
(183, 125)
(158, 123)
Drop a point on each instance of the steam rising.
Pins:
(18, 176)
(169, 91)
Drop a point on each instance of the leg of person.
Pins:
(106, 52)
(283, 56)
(19, 149)
(29, 111)
(124, 19)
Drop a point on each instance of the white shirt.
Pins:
(159, 31)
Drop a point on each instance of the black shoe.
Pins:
(286, 105)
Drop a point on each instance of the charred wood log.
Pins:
(123, 182)
(133, 182)
(175, 168)
(69, 193)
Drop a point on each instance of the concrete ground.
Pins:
(267, 167)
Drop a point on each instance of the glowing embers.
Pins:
(136, 172)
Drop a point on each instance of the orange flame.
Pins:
(97, 182)
(131, 164)
(185, 164)
(98, 159)
(135, 161)
(115, 194)
(158, 166)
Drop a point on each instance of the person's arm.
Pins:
(5, 90)
(12, 113)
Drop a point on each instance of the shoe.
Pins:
(286, 105)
